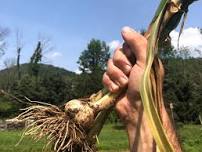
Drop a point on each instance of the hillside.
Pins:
(182, 87)
(53, 85)
(43, 69)
(8, 77)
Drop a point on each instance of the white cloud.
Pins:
(53, 55)
(114, 44)
(190, 38)
(78, 71)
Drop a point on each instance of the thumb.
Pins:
(137, 44)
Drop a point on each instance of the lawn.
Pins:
(191, 138)
(112, 139)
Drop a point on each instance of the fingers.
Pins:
(109, 84)
(121, 61)
(118, 69)
(114, 76)
(137, 44)
(128, 53)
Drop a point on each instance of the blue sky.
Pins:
(70, 24)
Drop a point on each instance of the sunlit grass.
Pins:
(112, 139)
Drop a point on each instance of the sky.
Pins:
(69, 25)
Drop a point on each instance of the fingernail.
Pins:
(114, 87)
(123, 81)
(128, 68)
(127, 29)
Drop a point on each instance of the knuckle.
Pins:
(116, 75)
(117, 58)
(123, 82)
(120, 60)
(109, 84)
(124, 67)
(111, 71)
(113, 74)
(114, 88)
(123, 114)
(119, 106)
(105, 80)
(109, 63)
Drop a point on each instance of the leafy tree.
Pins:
(182, 87)
(54, 85)
(56, 88)
(166, 50)
(92, 63)
(9, 78)
(25, 87)
(94, 58)
(86, 84)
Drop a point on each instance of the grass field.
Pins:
(112, 139)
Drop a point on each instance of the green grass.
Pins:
(191, 138)
(8, 140)
(5, 106)
(112, 139)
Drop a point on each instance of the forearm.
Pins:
(170, 130)
(139, 134)
(131, 131)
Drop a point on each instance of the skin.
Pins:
(124, 72)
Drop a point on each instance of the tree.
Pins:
(19, 49)
(35, 60)
(92, 63)
(94, 58)
(9, 78)
(55, 88)
(166, 50)
(183, 88)
(3, 33)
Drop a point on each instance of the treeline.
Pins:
(46, 83)
(183, 88)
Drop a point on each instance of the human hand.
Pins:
(125, 70)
